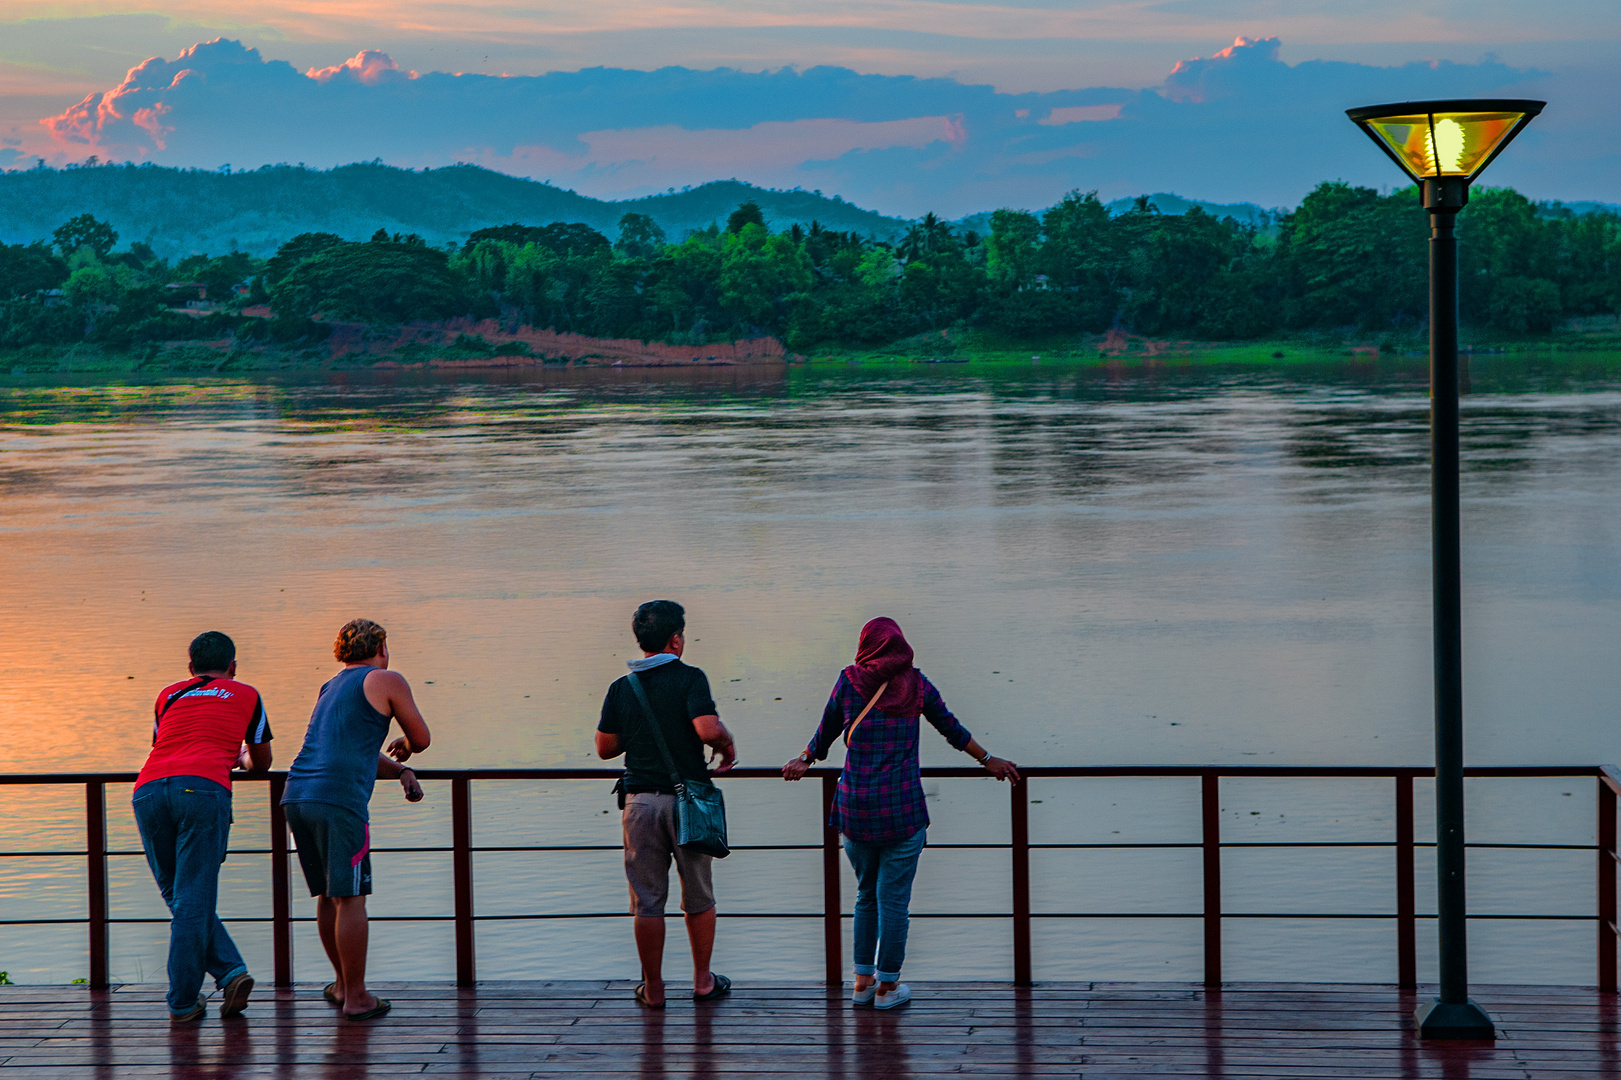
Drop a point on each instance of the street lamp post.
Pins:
(1444, 145)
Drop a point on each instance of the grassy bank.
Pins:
(1133, 350)
(1590, 354)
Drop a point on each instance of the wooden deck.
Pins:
(572, 1029)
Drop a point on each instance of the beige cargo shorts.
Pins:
(649, 821)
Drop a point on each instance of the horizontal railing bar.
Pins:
(1168, 771)
(519, 848)
(549, 916)
(621, 847)
(1527, 847)
(42, 922)
(1275, 845)
(1243, 915)
(1305, 844)
(1057, 847)
(1392, 843)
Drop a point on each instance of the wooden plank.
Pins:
(765, 1030)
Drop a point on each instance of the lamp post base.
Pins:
(1446, 1020)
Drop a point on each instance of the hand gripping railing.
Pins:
(462, 850)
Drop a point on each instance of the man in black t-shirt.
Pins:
(685, 711)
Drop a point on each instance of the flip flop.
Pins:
(331, 998)
(723, 985)
(641, 997)
(372, 1013)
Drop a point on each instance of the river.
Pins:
(1095, 568)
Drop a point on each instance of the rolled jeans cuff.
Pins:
(888, 976)
(866, 969)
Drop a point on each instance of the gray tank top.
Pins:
(338, 761)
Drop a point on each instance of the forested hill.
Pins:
(180, 212)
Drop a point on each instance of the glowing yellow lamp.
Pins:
(1434, 139)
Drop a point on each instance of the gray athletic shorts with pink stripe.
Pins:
(334, 848)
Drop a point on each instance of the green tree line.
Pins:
(1347, 259)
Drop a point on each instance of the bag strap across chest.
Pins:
(676, 779)
(851, 730)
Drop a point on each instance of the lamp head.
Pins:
(1437, 140)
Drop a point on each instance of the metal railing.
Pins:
(462, 850)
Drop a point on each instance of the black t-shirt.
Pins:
(678, 693)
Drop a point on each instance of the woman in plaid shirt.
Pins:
(879, 807)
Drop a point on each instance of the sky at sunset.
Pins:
(899, 105)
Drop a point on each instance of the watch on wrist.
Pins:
(804, 755)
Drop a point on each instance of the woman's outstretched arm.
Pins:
(934, 709)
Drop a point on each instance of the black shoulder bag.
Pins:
(700, 811)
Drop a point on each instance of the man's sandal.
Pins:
(641, 997)
(373, 1013)
(722, 986)
(331, 998)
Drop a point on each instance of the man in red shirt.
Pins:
(201, 727)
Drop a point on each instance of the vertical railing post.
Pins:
(832, 914)
(1406, 904)
(1021, 882)
(281, 904)
(95, 835)
(1212, 878)
(461, 845)
(1606, 888)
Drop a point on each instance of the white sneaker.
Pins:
(864, 997)
(898, 996)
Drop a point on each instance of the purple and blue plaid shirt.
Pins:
(880, 796)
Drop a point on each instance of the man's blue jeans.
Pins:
(884, 874)
(185, 824)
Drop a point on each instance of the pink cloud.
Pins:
(368, 66)
(1198, 79)
(150, 120)
(126, 119)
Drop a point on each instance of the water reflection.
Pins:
(1095, 568)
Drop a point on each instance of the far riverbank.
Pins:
(1586, 356)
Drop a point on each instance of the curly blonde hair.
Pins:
(359, 640)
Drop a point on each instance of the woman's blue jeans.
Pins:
(884, 874)
(185, 824)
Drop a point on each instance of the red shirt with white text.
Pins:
(198, 729)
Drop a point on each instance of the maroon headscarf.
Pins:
(884, 656)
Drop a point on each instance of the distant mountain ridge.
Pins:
(180, 212)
